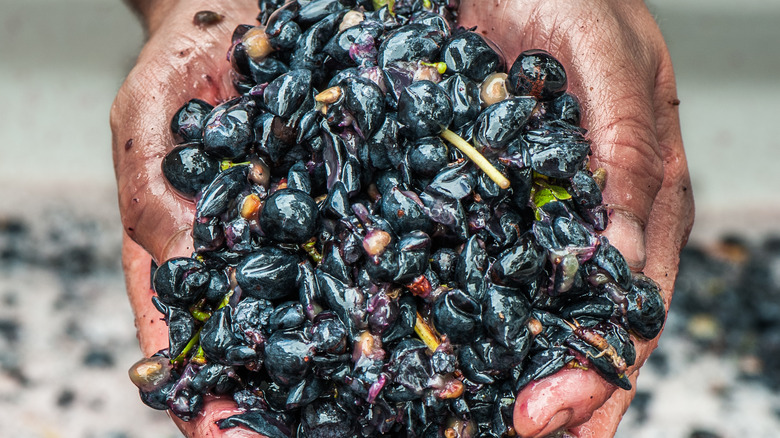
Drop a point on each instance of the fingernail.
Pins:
(557, 422)
(627, 234)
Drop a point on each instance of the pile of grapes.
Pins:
(393, 235)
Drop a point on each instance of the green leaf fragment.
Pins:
(379, 4)
(225, 300)
(543, 196)
(559, 192)
(200, 315)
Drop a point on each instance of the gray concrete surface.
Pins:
(61, 63)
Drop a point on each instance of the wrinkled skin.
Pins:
(619, 68)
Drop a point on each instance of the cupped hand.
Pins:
(181, 60)
(619, 67)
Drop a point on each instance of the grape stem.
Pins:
(425, 333)
(476, 157)
(190, 345)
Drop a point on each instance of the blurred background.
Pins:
(66, 330)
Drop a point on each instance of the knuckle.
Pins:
(628, 150)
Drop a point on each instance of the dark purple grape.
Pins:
(471, 267)
(288, 315)
(403, 325)
(458, 316)
(601, 308)
(558, 150)
(536, 73)
(404, 214)
(288, 357)
(336, 205)
(469, 54)
(427, 156)
(289, 216)
(250, 317)
(298, 178)
(434, 20)
(412, 42)
(173, 284)
(456, 181)
(188, 169)
(222, 191)
(259, 421)
(238, 237)
(185, 404)
(328, 334)
(505, 313)
(413, 253)
(269, 146)
(571, 233)
(609, 259)
(228, 133)
(444, 261)
(411, 366)
(334, 264)
(219, 286)
(349, 303)
(446, 211)
(473, 365)
(285, 94)
(207, 234)
(424, 109)
(268, 273)
(267, 8)
(282, 30)
(217, 336)
(585, 190)
(365, 103)
(266, 70)
(157, 398)
(566, 107)
(363, 37)
(189, 120)
(646, 311)
(464, 94)
(305, 392)
(383, 146)
(618, 339)
(308, 53)
(314, 11)
(181, 328)
(521, 263)
(501, 122)
(324, 418)
(542, 364)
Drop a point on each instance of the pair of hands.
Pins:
(619, 68)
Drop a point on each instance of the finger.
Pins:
(180, 62)
(205, 424)
(151, 330)
(605, 420)
(671, 218)
(153, 336)
(560, 401)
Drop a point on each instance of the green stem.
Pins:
(476, 157)
(187, 348)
